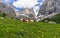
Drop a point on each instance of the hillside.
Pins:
(12, 28)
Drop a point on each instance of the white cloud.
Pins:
(28, 4)
(25, 3)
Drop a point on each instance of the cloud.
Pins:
(25, 3)
(22, 4)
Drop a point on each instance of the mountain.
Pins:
(48, 7)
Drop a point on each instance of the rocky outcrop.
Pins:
(50, 6)
(47, 9)
(7, 10)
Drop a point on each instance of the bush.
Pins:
(56, 18)
(2, 14)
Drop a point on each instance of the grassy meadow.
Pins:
(12, 28)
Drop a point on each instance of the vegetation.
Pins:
(2, 14)
(12, 28)
(56, 18)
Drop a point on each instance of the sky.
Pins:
(23, 4)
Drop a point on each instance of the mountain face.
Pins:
(48, 7)
(7, 10)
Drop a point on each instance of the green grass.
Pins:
(12, 28)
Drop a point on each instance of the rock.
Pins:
(31, 21)
(48, 7)
(51, 22)
(1, 18)
(27, 21)
(45, 20)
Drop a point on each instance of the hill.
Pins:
(12, 28)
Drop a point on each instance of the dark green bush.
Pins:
(2, 14)
(56, 18)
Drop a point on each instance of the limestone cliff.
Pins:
(48, 7)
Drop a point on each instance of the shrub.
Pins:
(56, 18)
(2, 14)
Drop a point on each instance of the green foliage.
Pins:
(2, 14)
(12, 28)
(56, 18)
